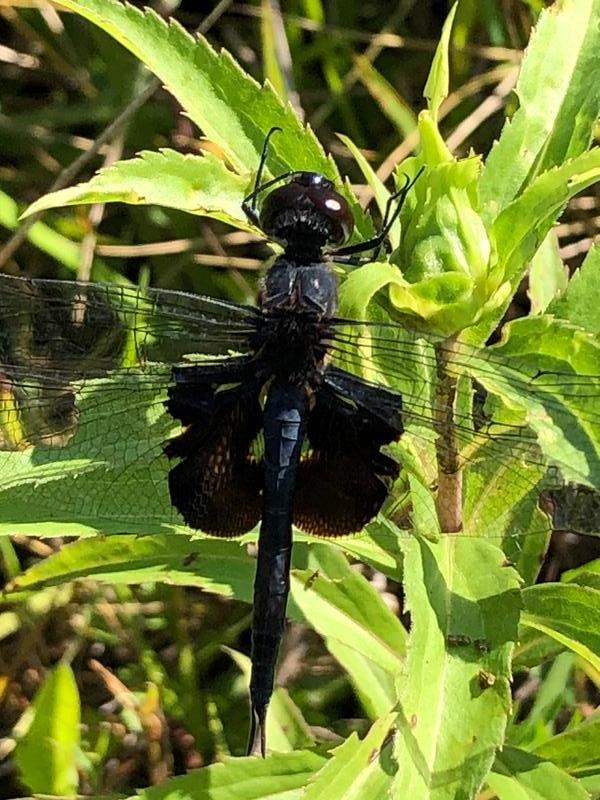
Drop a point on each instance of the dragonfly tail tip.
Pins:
(257, 740)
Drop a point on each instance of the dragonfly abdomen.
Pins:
(285, 416)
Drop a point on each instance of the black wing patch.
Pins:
(217, 484)
(344, 477)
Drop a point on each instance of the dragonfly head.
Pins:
(307, 214)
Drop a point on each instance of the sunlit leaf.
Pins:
(437, 86)
(559, 100)
(46, 755)
(280, 776)
(359, 630)
(569, 614)
(198, 184)
(464, 607)
(518, 775)
(580, 303)
(358, 769)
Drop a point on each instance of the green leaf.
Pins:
(580, 303)
(280, 775)
(564, 418)
(231, 108)
(9, 560)
(518, 775)
(198, 184)
(552, 696)
(559, 100)
(534, 648)
(362, 284)
(569, 614)
(586, 575)
(548, 276)
(377, 545)
(217, 94)
(501, 504)
(97, 463)
(448, 273)
(46, 755)
(358, 769)
(446, 301)
(287, 730)
(216, 565)
(522, 226)
(437, 86)
(455, 701)
(590, 780)
(576, 747)
(358, 628)
(225, 568)
(380, 193)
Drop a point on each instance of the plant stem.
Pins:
(449, 494)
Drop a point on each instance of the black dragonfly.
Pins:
(281, 384)
(268, 419)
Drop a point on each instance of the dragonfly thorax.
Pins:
(297, 303)
(310, 288)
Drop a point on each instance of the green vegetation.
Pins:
(135, 675)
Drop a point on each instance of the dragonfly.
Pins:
(210, 415)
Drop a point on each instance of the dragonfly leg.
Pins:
(355, 261)
(249, 203)
(389, 218)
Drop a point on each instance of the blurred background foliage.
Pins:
(159, 691)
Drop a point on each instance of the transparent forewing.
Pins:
(57, 335)
(86, 330)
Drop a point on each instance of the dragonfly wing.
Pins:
(543, 381)
(84, 377)
(344, 477)
(217, 482)
(56, 336)
(526, 415)
(81, 330)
